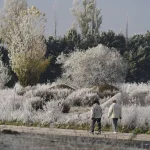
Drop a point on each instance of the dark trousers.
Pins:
(115, 124)
(94, 120)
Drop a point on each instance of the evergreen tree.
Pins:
(138, 58)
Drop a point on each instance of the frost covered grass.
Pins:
(41, 106)
(135, 87)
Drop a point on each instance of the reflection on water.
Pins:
(53, 142)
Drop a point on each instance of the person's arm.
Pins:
(120, 112)
(92, 112)
(101, 111)
(110, 111)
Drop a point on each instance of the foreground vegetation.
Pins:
(42, 105)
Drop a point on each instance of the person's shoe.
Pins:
(98, 133)
(92, 133)
(114, 132)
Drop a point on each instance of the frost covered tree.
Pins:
(4, 74)
(26, 45)
(13, 8)
(88, 17)
(8, 15)
(94, 66)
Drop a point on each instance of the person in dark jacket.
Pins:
(96, 114)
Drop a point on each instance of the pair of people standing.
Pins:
(96, 115)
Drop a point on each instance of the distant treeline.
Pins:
(135, 50)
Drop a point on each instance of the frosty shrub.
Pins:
(37, 103)
(61, 86)
(41, 94)
(105, 90)
(89, 99)
(77, 102)
(92, 67)
(44, 91)
(65, 107)
(147, 99)
(82, 97)
(131, 88)
(55, 94)
(19, 89)
(40, 89)
(76, 97)
(136, 93)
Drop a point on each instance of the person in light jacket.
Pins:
(96, 114)
(115, 113)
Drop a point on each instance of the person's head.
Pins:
(114, 101)
(96, 101)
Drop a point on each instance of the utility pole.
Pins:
(127, 29)
(94, 24)
(55, 4)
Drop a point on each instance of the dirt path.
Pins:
(34, 138)
(69, 132)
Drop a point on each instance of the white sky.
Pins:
(114, 14)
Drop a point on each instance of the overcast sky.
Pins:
(114, 14)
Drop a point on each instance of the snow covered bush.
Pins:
(94, 66)
(135, 93)
(65, 107)
(82, 97)
(41, 94)
(55, 94)
(19, 89)
(131, 88)
(105, 90)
